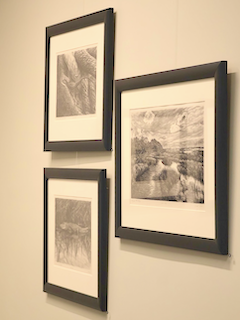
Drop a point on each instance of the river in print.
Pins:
(167, 153)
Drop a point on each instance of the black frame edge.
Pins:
(85, 20)
(169, 239)
(221, 155)
(108, 79)
(118, 204)
(45, 231)
(73, 296)
(103, 240)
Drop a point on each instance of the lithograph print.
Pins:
(73, 233)
(167, 153)
(76, 82)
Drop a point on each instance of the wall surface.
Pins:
(146, 281)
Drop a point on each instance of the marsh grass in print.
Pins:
(167, 153)
(76, 82)
(73, 233)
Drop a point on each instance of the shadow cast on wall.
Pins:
(78, 309)
(177, 254)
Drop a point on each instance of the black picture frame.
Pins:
(84, 178)
(217, 73)
(85, 93)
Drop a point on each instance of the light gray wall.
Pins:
(145, 281)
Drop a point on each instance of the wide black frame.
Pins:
(99, 175)
(218, 71)
(107, 17)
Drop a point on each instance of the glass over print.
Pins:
(167, 150)
(76, 82)
(171, 158)
(76, 235)
(79, 83)
(73, 233)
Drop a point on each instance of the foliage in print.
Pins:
(167, 153)
(73, 233)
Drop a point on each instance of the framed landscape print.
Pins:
(76, 235)
(172, 158)
(79, 83)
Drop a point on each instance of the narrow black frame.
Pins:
(99, 303)
(218, 71)
(107, 17)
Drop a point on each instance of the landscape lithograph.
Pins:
(167, 153)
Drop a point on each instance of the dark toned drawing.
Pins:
(76, 82)
(73, 233)
(167, 153)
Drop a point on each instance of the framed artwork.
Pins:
(172, 158)
(79, 83)
(76, 235)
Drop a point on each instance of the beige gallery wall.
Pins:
(145, 281)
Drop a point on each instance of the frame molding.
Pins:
(99, 303)
(106, 16)
(218, 71)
